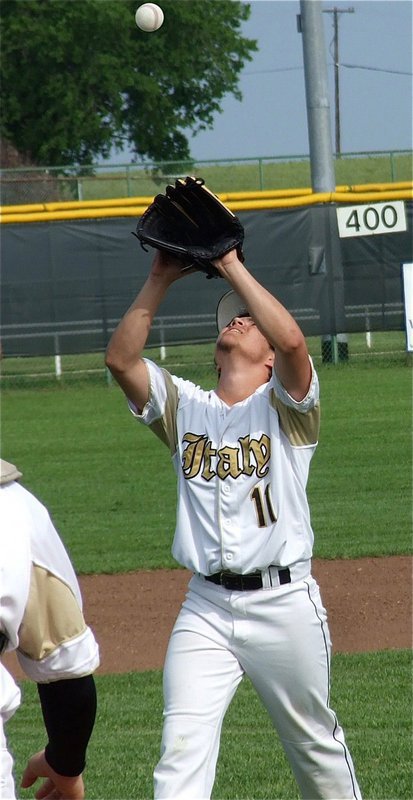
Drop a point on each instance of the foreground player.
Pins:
(41, 618)
(242, 454)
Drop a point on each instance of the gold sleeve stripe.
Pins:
(165, 428)
(52, 615)
(301, 430)
(8, 472)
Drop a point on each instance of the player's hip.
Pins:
(283, 622)
(279, 588)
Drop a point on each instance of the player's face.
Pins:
(242, 333)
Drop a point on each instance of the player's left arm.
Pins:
(292, 363)
(69, 711)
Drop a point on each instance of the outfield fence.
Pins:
(46, 184)
(79, 336)
(194, 362)
(67, 279)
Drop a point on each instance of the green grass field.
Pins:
(111, 490)
(371, 696)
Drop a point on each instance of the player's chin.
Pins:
(225, 342)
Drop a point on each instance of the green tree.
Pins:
(79, 78)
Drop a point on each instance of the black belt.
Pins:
(3, 642)
(245, 583)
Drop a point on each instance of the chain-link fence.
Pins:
(195, 362)
(25, 185)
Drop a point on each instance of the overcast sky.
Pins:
(375, 54)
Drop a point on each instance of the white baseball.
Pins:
(149, 17)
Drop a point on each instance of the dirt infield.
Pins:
(369, 605)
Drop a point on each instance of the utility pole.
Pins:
(310, 25)
(325, 256)
(336, 11)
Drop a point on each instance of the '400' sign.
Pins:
(367, 220)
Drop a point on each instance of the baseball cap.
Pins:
(230, 306)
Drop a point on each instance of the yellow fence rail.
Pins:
(236, 201)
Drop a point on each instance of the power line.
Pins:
(341, 64)
(275, 69)
(376, 69)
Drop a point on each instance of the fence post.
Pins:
(334, 348)
(368, 331)
(162, 338)
(392, 167)
(261, 178)
(57, 358)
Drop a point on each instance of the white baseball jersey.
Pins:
(40, 602)
(242, 472)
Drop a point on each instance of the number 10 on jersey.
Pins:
(263, 506)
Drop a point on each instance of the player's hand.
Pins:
(167, 268)
(55, 787)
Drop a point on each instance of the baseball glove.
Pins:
(191, 223)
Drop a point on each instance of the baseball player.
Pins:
(41, 618)
(242, 454)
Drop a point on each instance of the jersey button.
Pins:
(228, 556)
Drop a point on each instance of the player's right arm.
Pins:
(124, 351)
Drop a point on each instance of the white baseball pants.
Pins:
(7, 789)
(280, 639)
